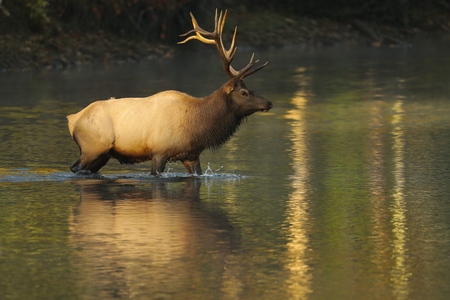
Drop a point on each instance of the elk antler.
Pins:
(215, 38)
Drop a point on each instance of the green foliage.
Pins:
(403, 13)
(151, 19)
(163, 20)
(38, 18)
(38, 9)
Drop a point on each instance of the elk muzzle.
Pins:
(269, 106)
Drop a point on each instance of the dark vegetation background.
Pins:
(61, 33)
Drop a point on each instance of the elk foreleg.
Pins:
(158, 164)
(193, 166)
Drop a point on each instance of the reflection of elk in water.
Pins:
(137, 238)
(170, 125)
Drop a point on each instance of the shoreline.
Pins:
(36, 52)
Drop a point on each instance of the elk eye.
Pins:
(244, 93)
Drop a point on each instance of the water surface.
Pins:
(341, 191)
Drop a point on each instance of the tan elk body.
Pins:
(169, 125)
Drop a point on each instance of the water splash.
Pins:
(35, 175)
(209, 171)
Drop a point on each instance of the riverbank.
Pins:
(68, 50)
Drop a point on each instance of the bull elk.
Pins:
(170, 125)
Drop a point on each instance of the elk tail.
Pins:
(71, 123)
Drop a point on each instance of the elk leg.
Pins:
(89, 164)
(193, 166)
(94, 149)
(158, 165)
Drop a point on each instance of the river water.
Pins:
(341, 191)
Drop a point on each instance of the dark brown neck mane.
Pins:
(216, 121)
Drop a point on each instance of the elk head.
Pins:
(245, 101)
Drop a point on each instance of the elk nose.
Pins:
(270, 105)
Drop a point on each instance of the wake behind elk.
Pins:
(169, 125)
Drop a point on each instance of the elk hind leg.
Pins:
(90, 163)
(91, 159)
(94, 146)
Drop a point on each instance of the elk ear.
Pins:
(229, 87)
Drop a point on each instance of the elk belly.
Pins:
(159, 136)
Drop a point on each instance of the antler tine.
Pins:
(227, 55)
(250, 72)
(231, 52)
(246, 71)
(199, 32)
(218, 22)
(215, 37)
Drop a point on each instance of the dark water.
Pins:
(342, 191)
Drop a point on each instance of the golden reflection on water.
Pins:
(155, 239)
(400, 274)
(299, 280)
(389, 219)
(377, 187)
